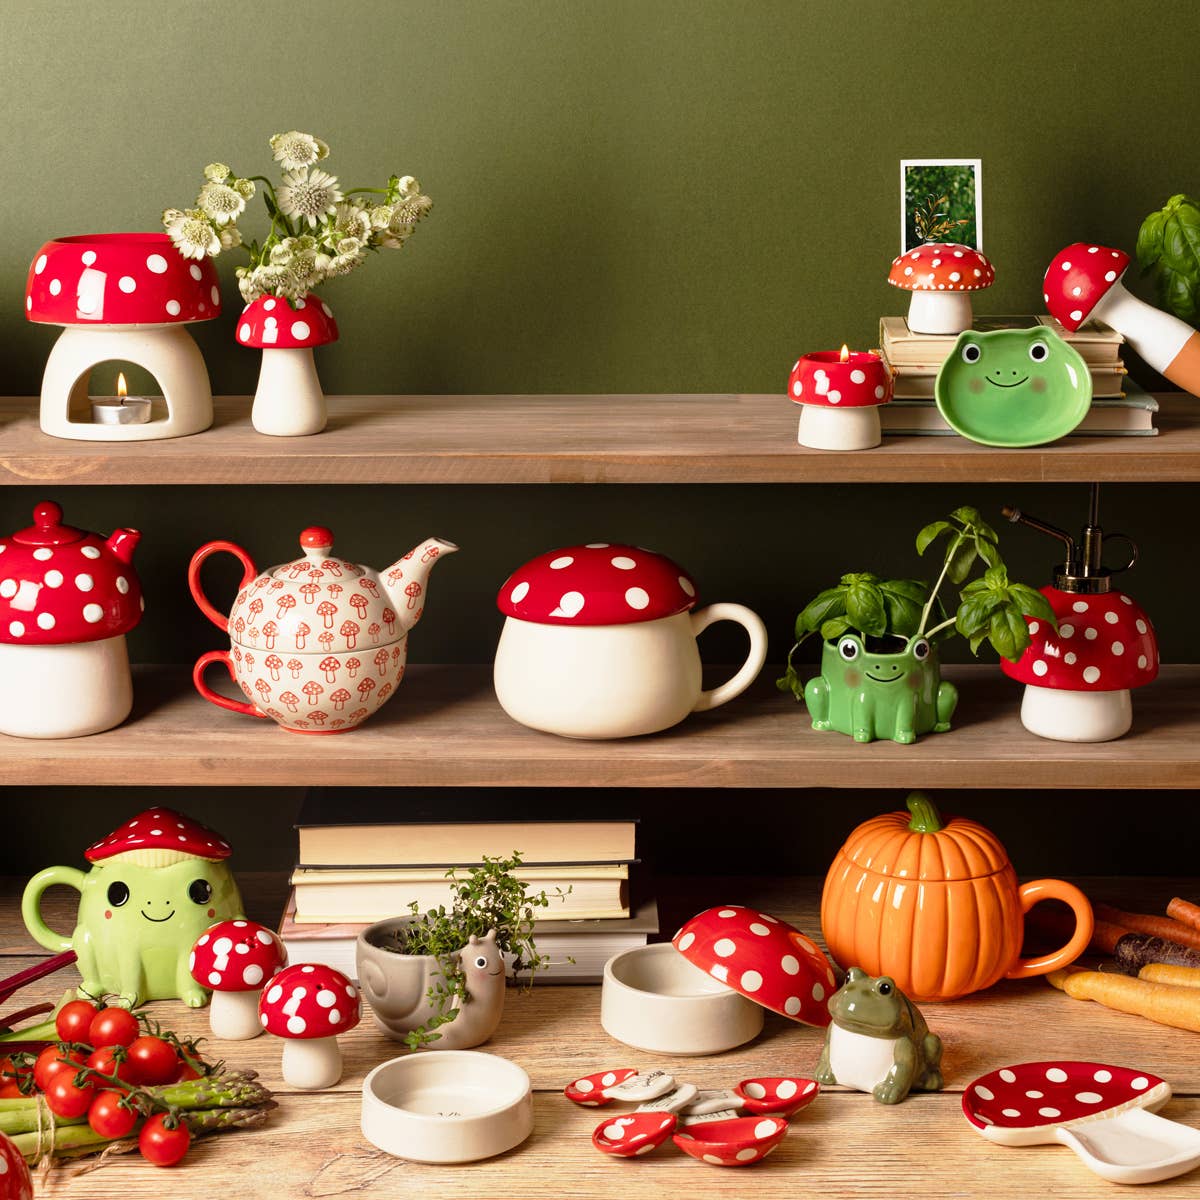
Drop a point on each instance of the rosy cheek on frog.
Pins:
(853, 678)
(976, 385)
(1038, 384)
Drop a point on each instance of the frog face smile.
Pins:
(156, 920)
(885, 678)
(997, 383)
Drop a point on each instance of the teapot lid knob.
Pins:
(317, 537)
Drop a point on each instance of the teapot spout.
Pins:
(123, 542)
(407, 578)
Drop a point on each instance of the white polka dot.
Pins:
(614, 1132)
(1076, 314)
(90, 552)
(17, 629)
(53, 579)
(1140, 1084)
(687, 939)
(1110, 276)
(1034, 626)
(726, 913)
(335, 1017)
(1066, 631)
(787, 1089)
(834, 396)
(42, 553)
(157, 264)
(1078, 291)
(1088, 1097)
(216, 294)
(1103, 1076)
(857, 376)
(1039, 667)
(792, 1005)
(954, 276)
(28, 308)
(1091, 674)
(724, 947)
(299, 304)
(818, 992)
(746, 1155)
(326, 309)
(608, 1079)
(1034, 1094)
(40, 265)
(751, 981)
(91, 614)
(173, 307)
(84, 582)
(563, 560)
(1011, 1112)
(8, 589)
(1066, 266)
(122, 585)
(1056, 1075)
(1118, 648)
(686, 584)
(711, 1158)
(519, 592)
(759, 930)
(264, 936)
(269, 303)
(622, 563)
(908, 270)
(326, 999)
(55, 287)
(719, 971)
(880, 391)
(296, 1025)
(570, 604)
(1111, 617)
(1069, 658)
(937, 262)
(1141, 662)
(797, 388)
(984, 1093)
(637, 597)
(1008, 1076)
(45, 620)
(300, 330)
(127, 284)
(765, 1129)
(195, 272)
(1091, 634)
(583, 1085)
(253, 974)
(1080, 606)
(1049, 1112)
(214, 977)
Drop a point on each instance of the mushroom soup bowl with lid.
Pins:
(599, 641)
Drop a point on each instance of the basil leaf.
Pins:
(1180, 294)
(833, 629)
(961, 560)
(903, 612)
(1175, 249)
(1150, 240)
(864, 607)
(1187, 215)
(972, 518)
(975, 613)
(916, 590)
(977, 640)
(829, 603)
(1008, 633)
(791, 682)
(1032, 603)
(859, 577)
(931, 532)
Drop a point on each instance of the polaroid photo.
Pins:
(947, 192)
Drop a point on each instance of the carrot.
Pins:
(1135, 950)
(1163, 1003)
(1163, 927)
(1165, 973)
(1184, 911)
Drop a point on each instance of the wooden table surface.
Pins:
(843, 1145)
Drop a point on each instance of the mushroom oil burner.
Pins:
(288, 401)
(67, 600)
(1078, 678)
(839, 393)
(317, 644)
(599, 641)
(1085, 281)
(941, 277)
(123, 296)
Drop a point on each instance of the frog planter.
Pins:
(885, 688)
(878, 1041)
(155, 886)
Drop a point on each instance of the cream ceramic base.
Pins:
(824, 428)
(167, 352)
(233, 1016)
(288, 401)
(448, 1106)
(311, 1063)
(64, 691)
(1076, 716)
(939, 312)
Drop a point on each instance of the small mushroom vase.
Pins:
(880, 688)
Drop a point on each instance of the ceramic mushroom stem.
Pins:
(309, 1004)
(941, 277)
(1085, 280)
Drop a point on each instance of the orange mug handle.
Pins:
(249, 573)
(1055, 889)
(202, 665)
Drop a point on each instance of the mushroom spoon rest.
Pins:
(1013, 387)
(1104, 1113)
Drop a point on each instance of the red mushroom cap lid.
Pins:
(1104, 643)
(60, 585)
(1036, 1096)
(942, 267)
(236, 956)
(119, 279)
(1077, 279)
(161, 830)
(825, 378)
(602, 583)
(276, 323)
(309, 1000)
(764, 958)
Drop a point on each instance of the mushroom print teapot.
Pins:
(317, 644)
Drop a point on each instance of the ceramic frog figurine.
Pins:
(878, 1041)
(869, 695)
(155, 886)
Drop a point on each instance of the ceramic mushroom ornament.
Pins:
(941, 277)
(1084, 280)
(236, 959)
(67, 600)
(839, 393)
(124, 296)
(599, 641)
(308, 1005)
(288, 401)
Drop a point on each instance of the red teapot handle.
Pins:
(250, 572)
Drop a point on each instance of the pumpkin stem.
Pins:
(925, 816)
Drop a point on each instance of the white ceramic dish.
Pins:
(653, 999)
(447, 1106)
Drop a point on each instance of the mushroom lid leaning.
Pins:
(119, 279)
(1104, 643)
(601, 583)
(275, 323)
(309, 1000)
(236, 956)
(160, 837)
(942, 267)
(1078, 278)
(764, 958)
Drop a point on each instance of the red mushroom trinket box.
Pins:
(941, 277)
(599, 641)
(839, 393)
(67, 600)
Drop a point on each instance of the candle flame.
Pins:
(845, 354)
(123, 391)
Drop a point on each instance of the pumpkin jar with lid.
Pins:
(936, 905)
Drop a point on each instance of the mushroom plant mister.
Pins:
(317, 232)
(879, 664)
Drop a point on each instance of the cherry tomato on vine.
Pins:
(162, 1146)
(74, 1020)
(48, 1064)
(113, 1026)
(111, 1060)
(153, 1060)
(187, 1072)
(11, 1078)
(64, 1099)
(108, 1117)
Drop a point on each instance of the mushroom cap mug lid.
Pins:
(166, 835)
(276, 323)
(942, 267)
(1078, 278)
(309, 1000)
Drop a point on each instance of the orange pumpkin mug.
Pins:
(936, 905)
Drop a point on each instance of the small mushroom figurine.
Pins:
(288, 401)
(941, 277)
(235, 959)
(1084, 280)
(839, 393)
(308, 1005)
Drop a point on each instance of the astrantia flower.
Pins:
(343, 264)
(410, 210)
(216, 172)
(222, 203)
(191, 232)
(245, 187)
(297, 150)
(309, 194)
(230, 237)
(380, 215)
(351, 221)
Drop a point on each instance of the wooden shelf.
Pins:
(573, 439)
(445, 728)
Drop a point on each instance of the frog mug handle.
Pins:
(31, 905)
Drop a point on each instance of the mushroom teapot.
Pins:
(317, 644)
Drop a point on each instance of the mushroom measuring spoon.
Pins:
(1104, 1113)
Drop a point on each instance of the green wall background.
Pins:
(647, 197)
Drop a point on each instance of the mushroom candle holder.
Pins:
(122, 296)
(839, 393)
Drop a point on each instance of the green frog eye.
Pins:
(1039, 352)
(884, 987)
(848, 648)
(200, 891)
(971, 353)
(920, 649)
(118, 893)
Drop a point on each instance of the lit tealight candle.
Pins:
(121, 409)
(840, 393)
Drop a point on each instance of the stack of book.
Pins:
(359, 864)
(1119, 405)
